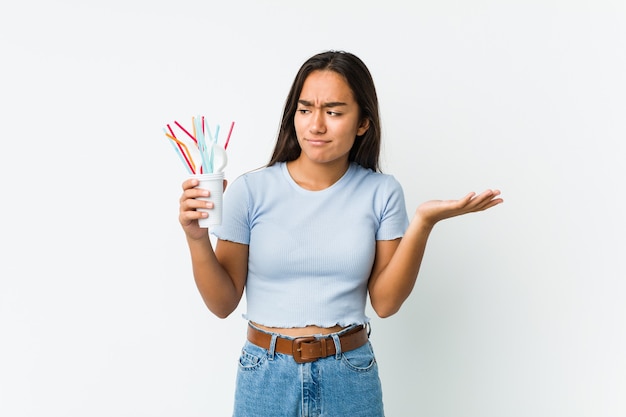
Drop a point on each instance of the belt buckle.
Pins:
(297, 349)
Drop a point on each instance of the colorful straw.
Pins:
(188, 162)
(185, 130)
(204, 141)
(188, 158)
(217, 132)
(213, 140)
(207, 168)
(181, 156)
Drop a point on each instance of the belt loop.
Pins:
(335, 337)
(272, 350)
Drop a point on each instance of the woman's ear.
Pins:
(365, 124)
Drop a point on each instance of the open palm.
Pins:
(436, 210)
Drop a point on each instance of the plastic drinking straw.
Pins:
(171, 131)
(213, 141)
(195, 134)
(180, 149)
(190, 160)
(210, 163)
(203, 136)
(185, 130)
(202, 148)
(201, 155)
(193, 124)
(217, 132)
(202, 145)
(209, 152)
(228, 137)
(179, 152)
(208, 131)
(185, 153)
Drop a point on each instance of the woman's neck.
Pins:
(316, 177)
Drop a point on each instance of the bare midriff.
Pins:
(300, 331)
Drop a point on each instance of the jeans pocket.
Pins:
(361, 359)
(251, 357)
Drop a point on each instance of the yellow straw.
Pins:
(193, 123)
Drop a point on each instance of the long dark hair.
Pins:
(366, 148)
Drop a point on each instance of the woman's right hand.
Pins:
(189, 203)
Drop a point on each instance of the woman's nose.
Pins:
(318, 125)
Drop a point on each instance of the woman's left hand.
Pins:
(434, 211)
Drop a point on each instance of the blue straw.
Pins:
(217, 132)
(212, 140)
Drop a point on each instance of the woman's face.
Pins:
(327, 118)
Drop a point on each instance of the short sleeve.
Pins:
(393, 219)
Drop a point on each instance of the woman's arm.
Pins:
(220, 275)
(398, 262)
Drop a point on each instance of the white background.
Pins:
(518, 311)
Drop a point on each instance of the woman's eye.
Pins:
(302, 111)
(333, 113)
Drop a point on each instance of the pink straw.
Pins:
(228, 137)
(185, 130)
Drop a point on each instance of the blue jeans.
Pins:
(271, 384)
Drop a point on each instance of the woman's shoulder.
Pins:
(259, 175)
(374, 177)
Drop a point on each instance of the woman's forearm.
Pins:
(394, 276)
(393, 285)
(218, 290)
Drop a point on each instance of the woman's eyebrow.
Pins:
(329, 104)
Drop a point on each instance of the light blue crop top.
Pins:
(310, 252)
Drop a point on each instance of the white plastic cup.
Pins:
(215, 184)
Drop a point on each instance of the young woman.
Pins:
(309, 236)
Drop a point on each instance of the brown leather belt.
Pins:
(310, 348)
